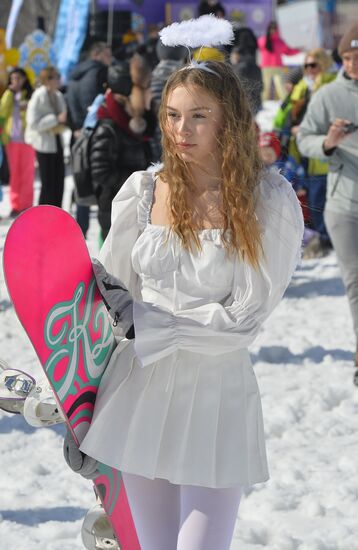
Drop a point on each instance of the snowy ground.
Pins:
(303, 362)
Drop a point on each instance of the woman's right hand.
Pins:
(336, 133)
(62, 117)
(116, 297)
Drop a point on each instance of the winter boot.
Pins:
(15, 386)
(97, 532)
(41, 408)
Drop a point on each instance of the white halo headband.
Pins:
(206, 30)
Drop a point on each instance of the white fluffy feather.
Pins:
(207, 30)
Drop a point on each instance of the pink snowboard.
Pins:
(50, 280)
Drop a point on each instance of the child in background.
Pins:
(273, 155)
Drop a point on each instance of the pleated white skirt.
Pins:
(189, 418)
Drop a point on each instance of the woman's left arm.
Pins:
(215, 328)
(286, 50)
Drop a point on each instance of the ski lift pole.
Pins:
(110, 23)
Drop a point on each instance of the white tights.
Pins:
(181, 517)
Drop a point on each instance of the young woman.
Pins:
(206, 246)
(21, 157)
(272, 47)
(46, 117)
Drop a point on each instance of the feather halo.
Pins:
(206, 30)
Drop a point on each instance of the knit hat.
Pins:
(269, 139)
(174, 53)
(349, 40)
(119, 78)
(208, 54)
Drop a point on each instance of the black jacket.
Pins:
(250, 75)
(115, 155)
(86, 82)
(205, 9)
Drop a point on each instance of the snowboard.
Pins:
(48, 273)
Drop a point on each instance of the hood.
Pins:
(83, 68)
(347, 82)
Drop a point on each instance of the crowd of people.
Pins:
(117, 94)
(200, 249)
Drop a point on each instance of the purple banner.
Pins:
(256, 14)
(253, 13)
(153, 11)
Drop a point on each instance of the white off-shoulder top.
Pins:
(203, 301)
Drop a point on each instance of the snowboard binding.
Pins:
(21, 394)
(97, 532)
(41, 408)
(15, 386)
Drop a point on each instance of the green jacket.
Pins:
(6, 109)
(316, 167)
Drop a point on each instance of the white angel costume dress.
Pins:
(181, 401)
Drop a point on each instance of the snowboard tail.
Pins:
(50, 280)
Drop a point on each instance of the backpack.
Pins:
(81, 168)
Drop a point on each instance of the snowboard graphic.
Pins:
(50, 280)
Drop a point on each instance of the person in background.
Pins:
(272, 48)
(329, 131)
(118, 146)
(282, 122)
(249, 72)
(87, 80)
(211, 6)
(170, 60)
(245, 39)
(20, 155)
(273, 155)
(46, 117)
(315, 75)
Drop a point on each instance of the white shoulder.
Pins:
(135, 198)
(273, 185)
(275, 189)
(277, 203)
(134, 186)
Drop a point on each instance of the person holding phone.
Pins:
(329, 131)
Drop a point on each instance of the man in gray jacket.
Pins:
(329, 131)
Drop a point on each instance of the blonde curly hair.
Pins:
(241, 165)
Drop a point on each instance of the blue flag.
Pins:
(71, 29)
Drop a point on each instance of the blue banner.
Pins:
(71, 29)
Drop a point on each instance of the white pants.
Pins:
(181, 517)
(343, 231)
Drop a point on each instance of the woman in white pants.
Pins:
(206, 245)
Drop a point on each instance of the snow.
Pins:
(303, 360)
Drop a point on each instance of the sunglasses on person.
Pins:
(310, 65)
